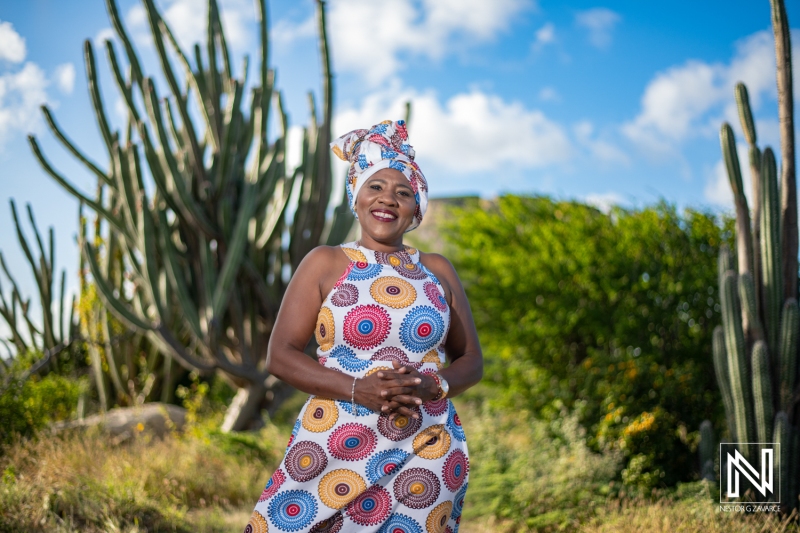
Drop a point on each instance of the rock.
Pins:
(122, 423)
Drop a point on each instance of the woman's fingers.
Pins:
(391, 392)
(405, 411)
(407, 399)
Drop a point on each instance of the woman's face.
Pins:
(385, 205)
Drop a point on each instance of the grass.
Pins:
(207, 482)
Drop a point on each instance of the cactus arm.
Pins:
(783, 56)
(747, 295)
(62, 338)
(230, 134)
(723, 377)
(197, 157)
(782, 437)
(116, 22)
(762, 391)
(51, 122)
(787, 352)
(770, 247)
(114, 221)
(97, 99)
(744, 242)
(218, 33)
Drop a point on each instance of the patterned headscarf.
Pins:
(385, 145)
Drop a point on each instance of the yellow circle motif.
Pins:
(433, 357)
(377, 369)
(339, 487)
(257, 524)
(432, 442)
(393, 291)
(325, 331)
(355, 255)
(410, 250)
(437, 519)
(320, 415)
(394, 260)
(305, 461)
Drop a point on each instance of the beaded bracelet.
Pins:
(353, 395)
(438, 386)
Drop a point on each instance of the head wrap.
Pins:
(384, 145)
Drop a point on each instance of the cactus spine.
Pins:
(764, 320)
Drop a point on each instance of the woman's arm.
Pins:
(297, 318)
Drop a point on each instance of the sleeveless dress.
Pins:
(349, 471)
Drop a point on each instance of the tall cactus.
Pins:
(206, 257)
(761, 322)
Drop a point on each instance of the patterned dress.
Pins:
(347, 471)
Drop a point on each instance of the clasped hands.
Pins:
(396, 393)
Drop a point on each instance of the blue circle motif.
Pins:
(295, 430)
(365, 326)
(369, 271)
(458, 502)
(360, 409)
(456, 429)
(421, 317)
(341, 351)
(401, 522)
(350, 362)
(293, 510)
(430, 274)
(376, 467)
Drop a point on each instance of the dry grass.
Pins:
(84, 483)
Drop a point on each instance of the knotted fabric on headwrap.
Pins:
(384, 145)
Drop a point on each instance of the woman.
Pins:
(378, 446)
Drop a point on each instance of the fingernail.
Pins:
(383, 393)
(380, 374)
(419, 402)
(384, 408)
(416, 416)
(417, 380)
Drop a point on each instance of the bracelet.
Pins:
(353, 395)
(438, 386)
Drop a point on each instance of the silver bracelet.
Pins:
(353, 395)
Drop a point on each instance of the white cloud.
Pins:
(373, 37)
(544, 36)
(102, 36)
(12, 45)
(692, 99)
(471, 132)
(188, 20)
(600, 23)
(64, 76)
(600, 150)
(604, 201)
(717, 189)
(286, 32)
(21, 94)
(549, 94)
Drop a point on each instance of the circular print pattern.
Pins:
(366, 326)
(320, 415)
(339, 487)
(305, 461)
(432, 442)
(329, 525)
(346, 295)
(435, 407)
(410, 270)
(293, 510)
(257, 524)
(392, 353)
(295, 429)
(430, 274)
(437, 519)
(400, 523)
(344, 275)
(432, 357)
(435, 296)
(360, 409)
(421, 329)
(371, 507)
(455, 470)
(384, 463)
(273, 485)
(352, 442)
(363, 270)
(393, 291)
(454, 425)
(376, 369)
(355, 255)
(341, 351)
(351, 363)
(401, 427)
(410, 249)
(458, 502)
(393, 259)
(325, 332)
(417, 488)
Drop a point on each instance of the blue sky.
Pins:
(602, 101)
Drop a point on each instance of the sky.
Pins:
(608, 102)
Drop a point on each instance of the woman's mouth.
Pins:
(384, 216)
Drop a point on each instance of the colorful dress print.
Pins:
(346, 470)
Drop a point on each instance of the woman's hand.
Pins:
(377, 391)
(399, 400)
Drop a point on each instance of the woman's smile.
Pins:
(384, 215)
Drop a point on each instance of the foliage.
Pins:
(608, 314)
(28, 406)
(532, 475)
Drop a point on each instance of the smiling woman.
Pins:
(378, 446)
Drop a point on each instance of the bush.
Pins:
(610, 315)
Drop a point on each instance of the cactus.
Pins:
(766, 323)
(205, 255)
(51, 332)
(707, 449)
